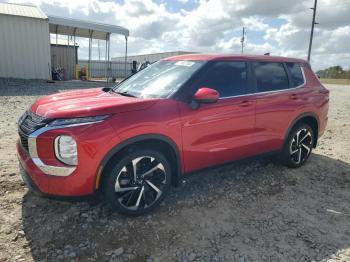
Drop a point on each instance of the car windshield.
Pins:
(158, 80)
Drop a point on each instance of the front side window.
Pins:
(296, 74)
(229, 78)
(270, 76)
(158, 80)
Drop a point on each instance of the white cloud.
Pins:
(255, 23)
(212, 26)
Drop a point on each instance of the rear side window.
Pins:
(296, 74)
(270, 76)
(229, 78)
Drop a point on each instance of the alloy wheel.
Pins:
(301, 146)
(140, 183)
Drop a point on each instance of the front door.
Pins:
(219, 132)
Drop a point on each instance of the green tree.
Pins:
(334, 72)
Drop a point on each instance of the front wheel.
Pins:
(298, 146)
(138, 182)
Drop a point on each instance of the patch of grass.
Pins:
(335, 81)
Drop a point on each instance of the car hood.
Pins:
(87, 102)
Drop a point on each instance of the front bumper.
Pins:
(52, 177)
(28, 180)
(76, 184)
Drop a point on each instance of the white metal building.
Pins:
(25, 41)
(65, 56)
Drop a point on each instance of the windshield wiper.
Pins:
(124, 94)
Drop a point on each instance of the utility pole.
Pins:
(312, 30)
(242, 39)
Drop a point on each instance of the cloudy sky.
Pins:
(281, 27)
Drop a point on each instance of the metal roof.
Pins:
(62, 25)
(22, 10)
(83, 28)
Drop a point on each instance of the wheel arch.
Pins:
(309, 118)
(163, 143)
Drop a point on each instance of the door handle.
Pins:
(324, 91)
(294, 96)
(245, 103)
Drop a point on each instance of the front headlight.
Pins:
(66, 150)
(78, 120)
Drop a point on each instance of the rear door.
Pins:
(222, 131)
(279, 97)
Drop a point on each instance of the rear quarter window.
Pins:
(296, 74)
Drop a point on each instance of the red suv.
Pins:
(181, 114)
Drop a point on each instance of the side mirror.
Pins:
(206, 95)
(106, 89)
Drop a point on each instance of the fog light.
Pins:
(66, 150)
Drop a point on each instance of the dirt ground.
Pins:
(252, 211)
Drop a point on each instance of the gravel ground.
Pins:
(251, 211)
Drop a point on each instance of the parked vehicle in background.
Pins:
(143, 65)
(179, 115)
(58, 74)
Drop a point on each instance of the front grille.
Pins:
(24, 139)
(29, 123)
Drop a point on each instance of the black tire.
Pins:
(296, 153)
(121, 178)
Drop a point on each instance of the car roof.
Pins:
(233, 57)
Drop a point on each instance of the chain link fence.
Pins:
(101, 69)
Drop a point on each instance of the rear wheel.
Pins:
(138, 182)
(298, 146)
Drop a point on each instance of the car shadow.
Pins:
(257, 208)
